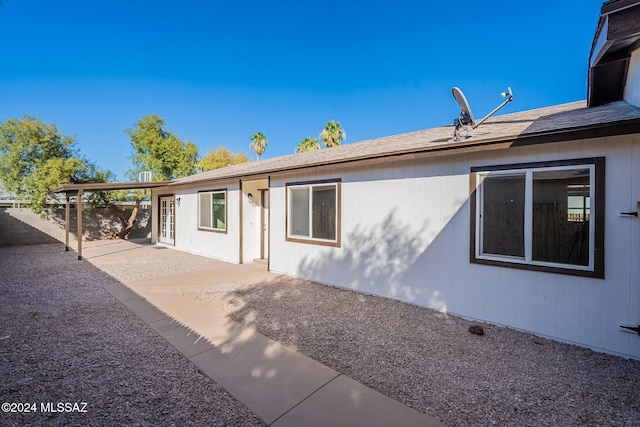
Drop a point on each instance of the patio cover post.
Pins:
(79, 189)
(79, 210)
(66, 223)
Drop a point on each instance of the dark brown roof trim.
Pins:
(617, 5)
(594, 131)
(617, 34)
(107, 186)
(571, 134)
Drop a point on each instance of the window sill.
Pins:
(578, 271)
(213, 230)
(331, 243)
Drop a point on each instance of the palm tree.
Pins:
(308, 144)
(332, 134)
(259, 143)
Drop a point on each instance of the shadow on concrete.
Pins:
(82, 345)
(112, 246)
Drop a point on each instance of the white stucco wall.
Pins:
(632, 86)
(223, 246)
(405, 235)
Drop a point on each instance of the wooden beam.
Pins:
(105, 186)
(79, 211)
(66, 224)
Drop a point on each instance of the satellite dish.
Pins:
(466, 116)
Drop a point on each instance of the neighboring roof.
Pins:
(106, 186)
(560, 122)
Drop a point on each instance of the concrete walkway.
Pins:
(279, 385)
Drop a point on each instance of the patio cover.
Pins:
(79, 189)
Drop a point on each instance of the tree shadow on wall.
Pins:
(373, 259)
(98, 224)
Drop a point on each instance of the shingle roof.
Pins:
(534, 125)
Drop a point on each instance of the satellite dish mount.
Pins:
(466, 116)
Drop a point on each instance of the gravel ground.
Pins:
(429, 360)
(64, 339)
(422, 358)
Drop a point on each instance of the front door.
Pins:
(264, 221)
(167, 220)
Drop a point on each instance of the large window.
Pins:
(313, 212)
(212, 210)
(542, 216)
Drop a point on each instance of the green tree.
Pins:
(258, 144)
(332, 134)
(156, 149)
(159, 151)
(215, 159)
(308, 144)
(36, 157)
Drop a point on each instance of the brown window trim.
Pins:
(226, 211)
(599, 199)
(337, 242)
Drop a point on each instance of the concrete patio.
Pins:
(281, 386)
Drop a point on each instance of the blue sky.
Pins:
(218, 71)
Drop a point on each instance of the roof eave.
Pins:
(617, 35)
(505, 141)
